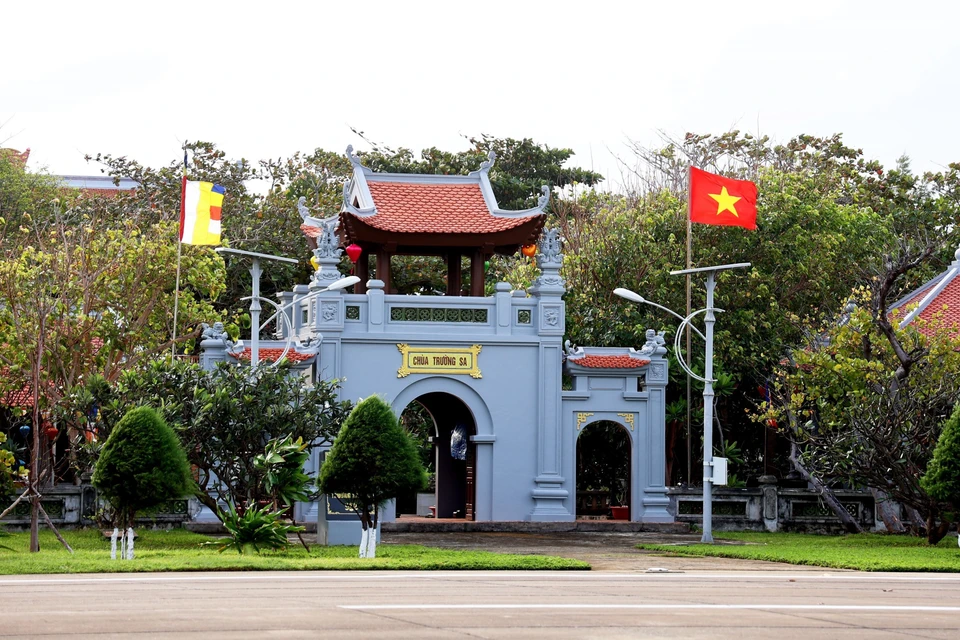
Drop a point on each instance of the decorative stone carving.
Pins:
(328, 244)
(545, 198)
(658, 372)
(352, 157)
(310, 346)
(549, 259)
(548, 252)
(487, 164)
(328, 312)
(303, 209)
(655, 344)
(551, 316)
(216, 332)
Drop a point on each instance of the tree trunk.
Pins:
(849, 524)
(890, 519)
(365, 536)
(372, 535)
(936, 532)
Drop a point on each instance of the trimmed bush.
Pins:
(142, 465)
(372, 460)
(942, 479)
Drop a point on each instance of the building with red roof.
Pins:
(389, 214)
(936, 302)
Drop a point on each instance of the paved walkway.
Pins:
(604, 551)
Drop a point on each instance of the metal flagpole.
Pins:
(176, 291)
(689, 309)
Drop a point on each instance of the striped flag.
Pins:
(200, 204)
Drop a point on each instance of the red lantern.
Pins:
(529, 250)
(353, 252)
(52, 433)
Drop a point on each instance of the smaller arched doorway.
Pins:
(453, 456)
(603, 471)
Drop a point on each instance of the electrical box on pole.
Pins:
(719, 471)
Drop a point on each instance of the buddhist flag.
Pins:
(200, 212)
(723, 201)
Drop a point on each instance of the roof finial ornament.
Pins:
(487, 164)
(302, 208)
(544, 198)
(352, 157)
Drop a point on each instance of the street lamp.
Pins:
(707, 379)
(636, 297)
(255, 299)
(342, 283)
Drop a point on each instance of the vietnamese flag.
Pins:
(723, 201)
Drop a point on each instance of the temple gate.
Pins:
(488, 369)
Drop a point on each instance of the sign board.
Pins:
(445, 360)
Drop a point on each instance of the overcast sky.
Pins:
(267, 79)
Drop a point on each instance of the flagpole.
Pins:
(689, 309)
(176, 291)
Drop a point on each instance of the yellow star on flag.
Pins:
(725, 201)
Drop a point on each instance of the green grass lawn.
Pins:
(179, 550)
(866, 552)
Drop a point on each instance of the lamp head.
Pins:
(629, 295)
(343, 283)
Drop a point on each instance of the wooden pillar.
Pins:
(476, 274)
(454, 280)
(383, 269)
(363, 272)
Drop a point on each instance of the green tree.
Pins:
(85, 291)
(9, 469)
(372, 461)
(942, 478)
(141, 466)
(856, 421)
(827, 217)
(223, 417)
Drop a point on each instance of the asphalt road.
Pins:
(780, 604)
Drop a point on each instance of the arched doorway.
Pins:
(453, 454)
(603, 471)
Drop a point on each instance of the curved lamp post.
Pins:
(707, 379)
(256, 299)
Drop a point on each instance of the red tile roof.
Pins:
(311, 232)
(274, 354)
(946, 303)
(22, 398)
(405, 207)
(609, 362)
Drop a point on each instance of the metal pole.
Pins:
(255, 272)
(176, 304)
(709, 320)
(689, 311)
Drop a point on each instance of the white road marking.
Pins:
(656, 607)
(489, 575)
